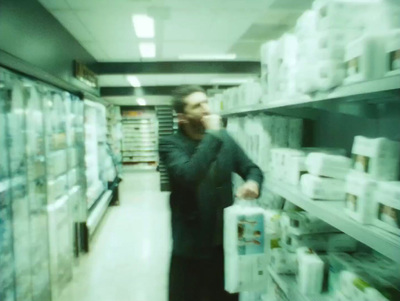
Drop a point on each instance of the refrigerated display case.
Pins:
(7, 282)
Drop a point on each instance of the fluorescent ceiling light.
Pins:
(230, 81)
(207, 57)
(143, 25)
(141, 101)
(133, 80)
(147, 49)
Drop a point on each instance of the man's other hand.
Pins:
(248, 191)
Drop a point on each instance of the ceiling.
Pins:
(182, 27)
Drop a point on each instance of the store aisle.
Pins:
(130, 253)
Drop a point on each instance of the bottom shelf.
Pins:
(288, 284)
(98, 211)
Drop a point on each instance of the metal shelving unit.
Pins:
(140, 132)
(290, 288)
(166, 127)
(331, 212)
(370, 99)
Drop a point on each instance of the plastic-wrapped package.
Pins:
(245, 248)
(332, 166)
(322, 188)
(365, 58)
(57, 163)
(306, 24)
(392, 53)
(269, 68)
(270, 200)
(386, 207)
(377, 157)
(359, 197)
(332, 242)
(302, 222)
(56, 188)
(310, 271)
(283, 262)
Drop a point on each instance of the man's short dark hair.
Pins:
(179, 95)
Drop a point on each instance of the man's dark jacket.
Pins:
(200, 174)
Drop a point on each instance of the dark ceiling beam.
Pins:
(177, 67)
(143, 91)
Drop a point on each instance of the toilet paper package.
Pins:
(270, 200)
(378, 157)
(280, 131)
(56, 188)
(245, 247)
(392, 53)
(272, 220)
(365, 58)
(332, 242)
(325, 165)
(310, 272)
(283, 262)
(73, 176)
(245, 273)
(386, 207)
(325, 150)
(304, 223)
(72, 157)
(306, 25)
(287, 48)
(269, 68)
(295, 167)
(343, 14)
(359, 197)
(322, 188)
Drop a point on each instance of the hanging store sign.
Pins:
(85, 75)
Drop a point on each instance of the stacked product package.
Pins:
(335, 42)
(372, 192)
(245, 248)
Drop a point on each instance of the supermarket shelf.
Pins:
(289, 286)
(97, 213)
(332, 212)
(369, 99)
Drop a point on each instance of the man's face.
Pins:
(196, 107)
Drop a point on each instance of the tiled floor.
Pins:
(130, 252)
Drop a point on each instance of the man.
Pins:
(200, 160)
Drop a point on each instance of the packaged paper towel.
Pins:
(283, 262)
(269, 68)
(378, 157)
(365, 58)
(306, 25)
(322, 188)
(295, 167)
(303, 222)
(245, 247)
(310, 271)
(332, 166)
(359, 197)
(332, 242)
(386, 206)
(392, 53)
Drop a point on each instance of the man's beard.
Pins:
(196, 126)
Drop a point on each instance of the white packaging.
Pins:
(310, 272)
(378, 157)
(244, 229)
(386, 209)
(343, 14)
(332, 166)
(365, 58)
(245, 247)
(287, 49)
(359, 197)
(263, 126)
(245, 273)
(322, 188)
(306, 24)
(332, 242)
(283, 262)
(72, 157)
(325, 150)
(302, 222)
(295, 167)
(270, 200)
(392, 53)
